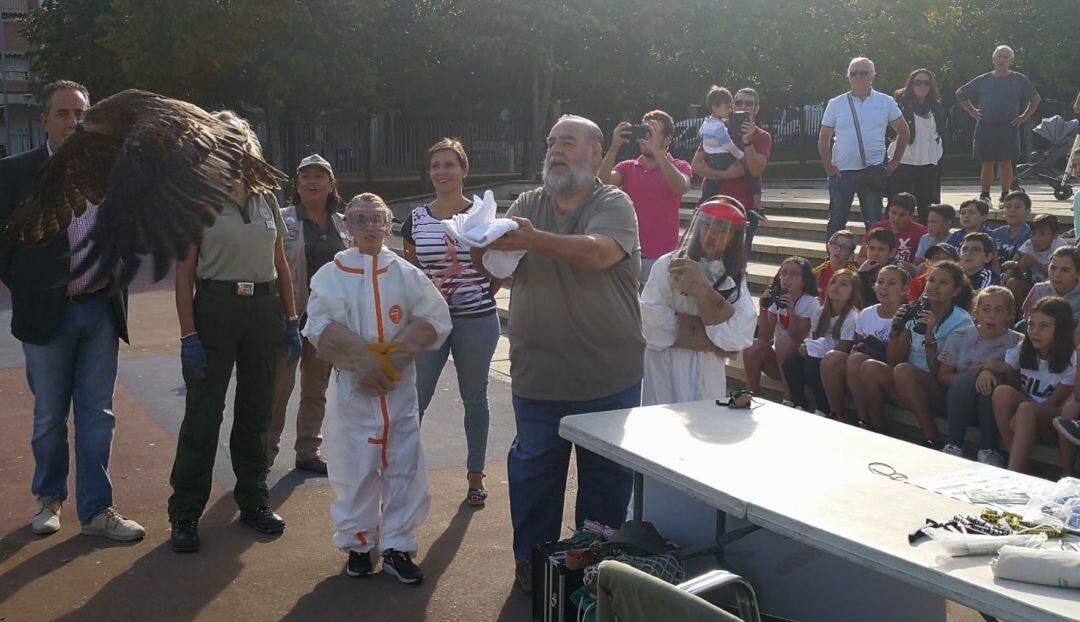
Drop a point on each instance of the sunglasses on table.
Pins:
(920, 82)
(859, 73)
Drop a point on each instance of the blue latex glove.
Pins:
(192, 357)
(292, 341)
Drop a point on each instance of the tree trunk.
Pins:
(542, 76)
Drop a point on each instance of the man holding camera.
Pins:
(732, 181)
(654, 181)
(855, 162)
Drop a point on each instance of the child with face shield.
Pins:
(696, 308)
(370, 314)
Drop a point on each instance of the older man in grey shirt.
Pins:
(576, 344)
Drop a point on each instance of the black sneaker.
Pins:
(359, 565)
(1002, 199)
(263, 519)
(401, 566)
(985, 196)
(185, 536)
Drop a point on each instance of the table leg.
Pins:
(639, 495)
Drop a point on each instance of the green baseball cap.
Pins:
(316, 160)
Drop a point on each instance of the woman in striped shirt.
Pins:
(469, 291)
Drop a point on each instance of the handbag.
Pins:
(873, 177)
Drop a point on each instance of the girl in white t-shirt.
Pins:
(833, 328)
(787, 319)
(841, 368)
(1041, 375)
(908, 375)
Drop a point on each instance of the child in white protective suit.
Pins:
(370, 314)
(696, 309)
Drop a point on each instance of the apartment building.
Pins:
(20, 118)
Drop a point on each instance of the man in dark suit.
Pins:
(70, 334)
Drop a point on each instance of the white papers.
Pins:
(478, 227)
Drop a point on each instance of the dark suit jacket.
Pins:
(36, 274)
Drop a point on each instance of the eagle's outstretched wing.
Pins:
(169, 181)
(74, 175)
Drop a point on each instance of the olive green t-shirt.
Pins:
(575, 334)
(234, 250)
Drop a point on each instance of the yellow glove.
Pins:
(382, 351)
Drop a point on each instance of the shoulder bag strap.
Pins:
(858, 131)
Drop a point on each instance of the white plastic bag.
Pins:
(955, 544)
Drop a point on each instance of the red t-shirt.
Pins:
(915, 287)
(739, 188)
(656, 204)
(907, 240)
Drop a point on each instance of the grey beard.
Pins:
(561, 184)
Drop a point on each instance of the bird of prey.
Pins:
(159, 170)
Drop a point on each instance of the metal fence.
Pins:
(391, 144)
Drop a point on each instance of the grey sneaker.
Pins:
(47, 518)
(953, 450)
(991, 457)
(110, 524)
(1069, 428)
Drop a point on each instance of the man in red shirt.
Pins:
(908, 231)
(756, 143)
(655, 183)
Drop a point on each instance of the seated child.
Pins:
(908, 376)
(1040, 378)
(939, 220)
(1033, 256)
(880, 250)
(785, 317)
(977, 258)
(1007, 238)
(973, 215)
(971, 363)
(370, 314)
(871, 338)
(841, 249)
(1064, 281)
(833, 327)
(900, 221)
(936, 253)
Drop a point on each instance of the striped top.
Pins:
(448, 265)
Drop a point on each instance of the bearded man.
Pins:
(576, 344)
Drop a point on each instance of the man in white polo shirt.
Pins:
(855, 162)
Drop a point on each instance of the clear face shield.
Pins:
(717, 224)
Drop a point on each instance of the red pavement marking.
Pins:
(141, 459)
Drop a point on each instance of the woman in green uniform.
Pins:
(234, 299)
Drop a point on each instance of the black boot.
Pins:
(263, 519)
(185, 536)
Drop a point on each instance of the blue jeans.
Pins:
(842, 193)
(537, 465)
(78, 367)
(473, 341)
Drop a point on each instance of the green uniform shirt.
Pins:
(234, 250)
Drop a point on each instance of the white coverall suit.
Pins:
(375, 462)
(674, 375)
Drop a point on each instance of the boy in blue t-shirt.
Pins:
(973, 215)
(1007, 238)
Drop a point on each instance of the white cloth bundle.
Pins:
(1041, 566)
(478, 227)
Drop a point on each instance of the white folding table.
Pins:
(806, 478)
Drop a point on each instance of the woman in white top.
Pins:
(918, 173)
(696, 309)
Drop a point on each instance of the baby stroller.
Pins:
(1052, 164)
